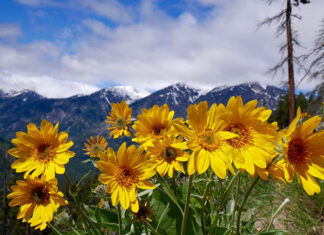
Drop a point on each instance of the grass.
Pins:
(302, 215)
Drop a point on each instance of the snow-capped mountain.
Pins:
(89, 111)
(83, 116)
(129, 93)
(177, 96)
(249, 91)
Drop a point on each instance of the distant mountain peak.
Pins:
(128, 93)
(15, 93)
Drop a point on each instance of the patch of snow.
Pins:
(218, 89)
(24, 99)
(13, 93)
(257, 91)
(107, 100)
(130, 93)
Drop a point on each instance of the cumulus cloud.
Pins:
(158, 50)
(45, 86)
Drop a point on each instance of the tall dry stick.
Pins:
(291, 80)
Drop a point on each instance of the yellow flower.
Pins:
(207, 139)
(119, 118)
(253, 148)
(167, 155)
(154, 124)
(124, 173)
(38, 200)
(304, 153)
(43, 151)
(94, 147)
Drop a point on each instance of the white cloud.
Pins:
(223, 48)
(10, 31)
(110, 9)
(45, 86)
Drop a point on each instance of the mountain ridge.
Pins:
(84, 116)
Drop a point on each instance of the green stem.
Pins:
(132, 133)
(186, 210)
(221, 203)
(238, 222)
(73, 190)
(174, 186)
(167, 189)
(236, 199)
(120, 228)
(151, 228)
(54, 229)
(202, 217)
(68, 179)
(146, 230)
(89, 221)
(277, 212)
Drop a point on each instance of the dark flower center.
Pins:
(158, 130)
(297, 150)
(40, 194)
(169, 153)
(44, 151)
(244, 136)
(120, 123)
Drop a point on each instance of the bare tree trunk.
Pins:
(291, 81)
(5, 207)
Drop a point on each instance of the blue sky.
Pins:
(65, 47)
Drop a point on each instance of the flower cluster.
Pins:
(228, 139)
(40, 152)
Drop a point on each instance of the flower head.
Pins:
(124, 173)
(253, 147)
(144, 212)
(94, 147)
(304, 153)
(154, 124)
(206, 137)
(119, 117)
(38, 200)
(167, 155)
(43, 151)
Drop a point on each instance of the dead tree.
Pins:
(284, 25)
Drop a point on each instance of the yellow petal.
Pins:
(203, 161)
(145, 185)
(218, 166)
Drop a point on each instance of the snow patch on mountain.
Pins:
(13, 93)
(129, 93)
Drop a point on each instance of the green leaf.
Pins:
(230, 208)
(220, 231)
(165, 211)
(103, 217)
(83, 177)
(248, 215)
(168, 191)
(168, 216)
